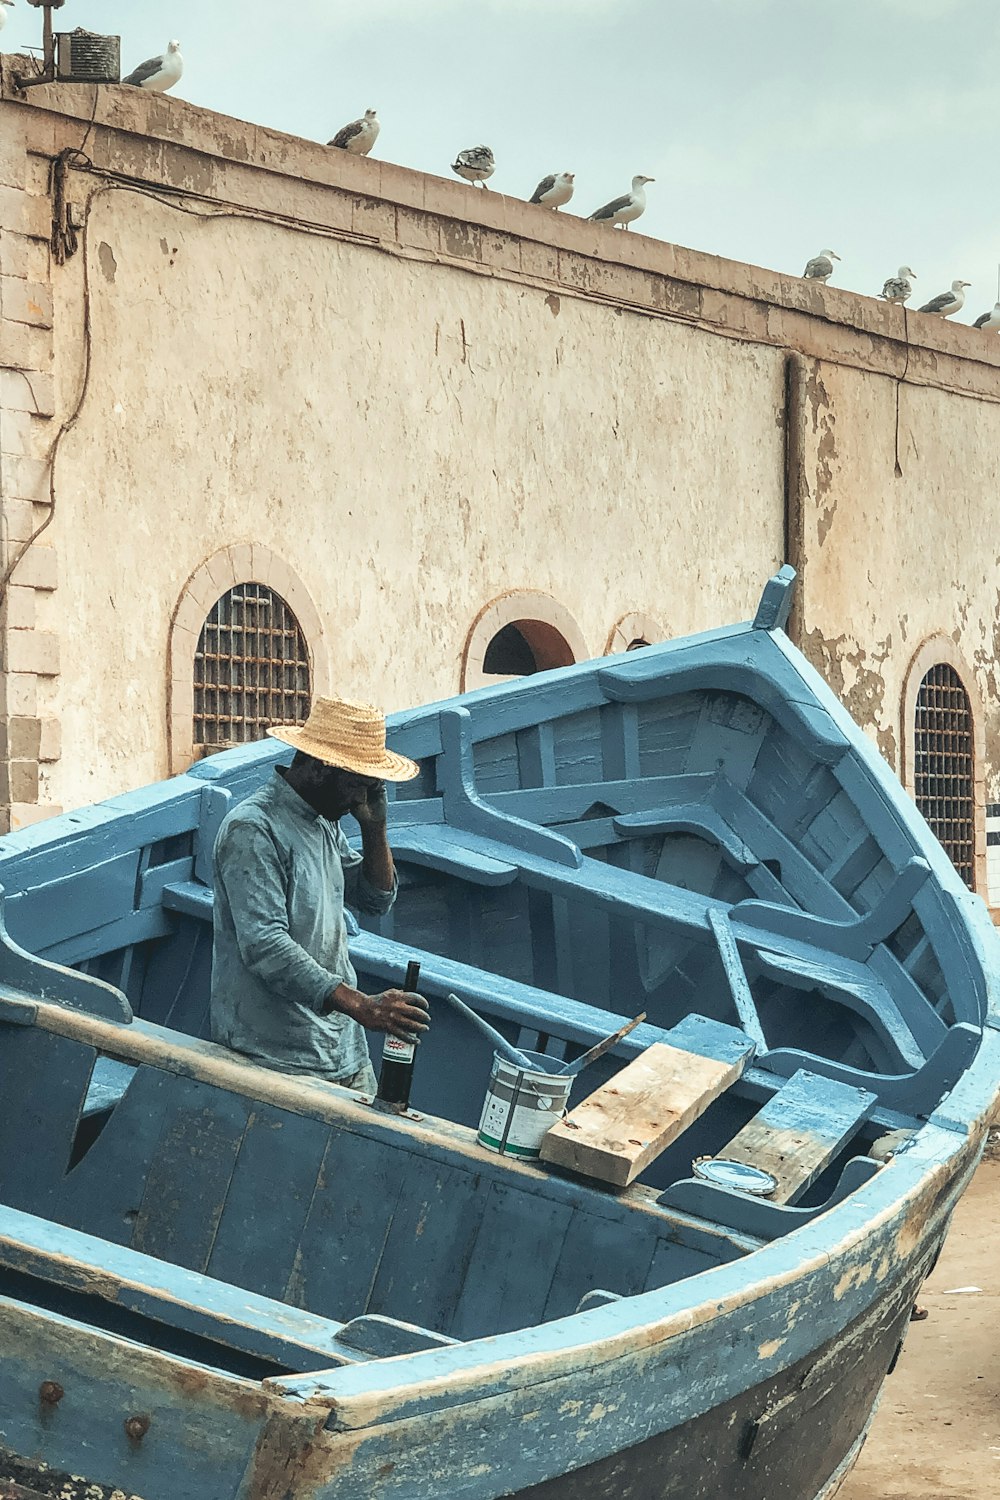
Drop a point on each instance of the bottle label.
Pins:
(395, 1049)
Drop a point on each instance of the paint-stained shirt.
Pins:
(282, 876)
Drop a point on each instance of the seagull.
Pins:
(820, 268)
(624, 210)
(3, 13)
(990, 320)
(898, 288)
(948, 302)
(554, 190)
(359, 137)
(475, 165)
(161, 72)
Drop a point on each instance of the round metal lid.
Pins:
(735, 1174)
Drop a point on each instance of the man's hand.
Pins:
(402, 1013)
(371, 808)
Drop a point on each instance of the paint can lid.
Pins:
(738, 1175)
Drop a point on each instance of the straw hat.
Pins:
(349, 735)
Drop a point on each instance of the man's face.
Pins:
(333, 791)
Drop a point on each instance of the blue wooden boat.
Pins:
(218, 1281)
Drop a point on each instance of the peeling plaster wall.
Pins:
(893, 559)
(412, 441)
(433, 397)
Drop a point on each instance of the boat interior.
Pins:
(621, 840)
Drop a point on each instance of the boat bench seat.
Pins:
(799, 1131)
(216, 1311)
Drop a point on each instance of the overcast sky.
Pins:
(773, 128)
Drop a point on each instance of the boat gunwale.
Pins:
(611, 1331)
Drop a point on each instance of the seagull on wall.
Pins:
(159, 73)
(475, 165)
(624, 210)
(899, 287)
(360, 136)
(820, 268)
(3, 12)
(990, 321)
(555, 190)
(948, 302)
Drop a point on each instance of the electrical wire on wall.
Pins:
(68, 239)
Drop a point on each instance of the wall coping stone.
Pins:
(824, 321)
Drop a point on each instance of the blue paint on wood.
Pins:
(21, 971)
(434, 1227)
(43, 1085)
(517, 1249)
(466, 809)
(164, 1293)
(345, 1232)
(278, 1163)
(694, 818)
(189, 1176)
(595, 1253)
(377, 1337)
(736, 978)
(800, 1130)
(695, 774)
(776, 601)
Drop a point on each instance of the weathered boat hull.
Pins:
(649, 1413)
(700, 832)
(728, 1451)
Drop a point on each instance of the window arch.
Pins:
(945, 765)
(943, 755)
(634, 631)
(247, 649)
(251, 669)
(518, 634)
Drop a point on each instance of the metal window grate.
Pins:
(945, 766)
(251, 668)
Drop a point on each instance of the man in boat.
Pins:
(284, 991)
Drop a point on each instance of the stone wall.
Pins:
(420, 401)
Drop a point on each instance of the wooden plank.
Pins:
(43, 1084)
(164, 1293)
(599, 1252)
(736, 977)
(624, 1125)
(103, 1192)
(434, 1228)
(214, 805)
(278, 1162)
(190, 1173)
(135, 927)
(799, 1132)
(513, 1262)
(40, 917)
(348, 1224)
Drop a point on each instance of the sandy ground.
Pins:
(937, 1432)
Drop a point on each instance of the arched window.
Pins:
(633, 631)
(526, 646)
(251, 668)
(944, 765)
(519, 633)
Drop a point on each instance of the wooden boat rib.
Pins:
(217, 1280)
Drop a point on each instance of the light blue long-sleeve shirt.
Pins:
(282, 876)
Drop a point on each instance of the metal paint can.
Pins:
(521, 1106)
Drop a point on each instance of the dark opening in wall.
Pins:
(524, 647)
(944, 765)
